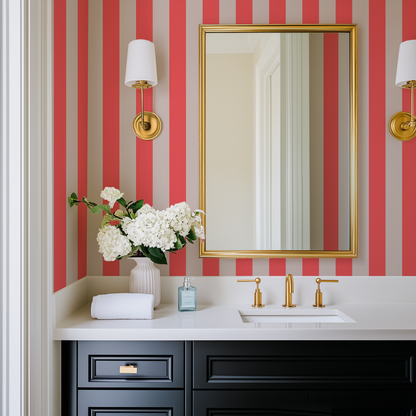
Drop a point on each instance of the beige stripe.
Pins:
(227, 267)
(161, 108)
(343, 143)
(293, 13)
(193, 19)
(260, 16)
(227, 12)
(316, 140)
(294, 16)
(393, 146)
(127, 114)
(260, 11)
(360, 16)
(71, 139)
(95, 130)
(327, 11)
(261, 267)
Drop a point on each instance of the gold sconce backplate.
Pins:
(396, 129)
(155, 126)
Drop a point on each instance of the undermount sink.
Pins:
(294, 315)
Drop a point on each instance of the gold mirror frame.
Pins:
(352, 30)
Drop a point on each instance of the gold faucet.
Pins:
(318, 293)
(257, 293)
(289, 289)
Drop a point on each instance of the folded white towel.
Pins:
(122, 306)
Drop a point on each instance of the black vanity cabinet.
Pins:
(250, 378)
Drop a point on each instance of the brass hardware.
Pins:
(289, 289)
(128, 369)
(318, 293)
(146, 125)
(257, 293)
(402, 125)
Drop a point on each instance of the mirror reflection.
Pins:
(276, 143)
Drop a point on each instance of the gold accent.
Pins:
(154, 129)
(318, 293)
(128, 369)
(402, 125)
(257, 293)
(289, 289)
(352, 30)
(146, 125)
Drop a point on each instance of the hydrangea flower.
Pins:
(111, 195)
(111, 243)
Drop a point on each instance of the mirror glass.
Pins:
(277, 141)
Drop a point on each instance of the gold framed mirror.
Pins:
(278, 140)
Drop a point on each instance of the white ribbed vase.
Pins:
(145, 278)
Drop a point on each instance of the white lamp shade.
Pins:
(141, 62)
(406, 64)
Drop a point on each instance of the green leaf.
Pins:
(157, 252)
(72, 202)
(154, 259)
(98, 208)
(122, 202)
(136, 206)
(191, 235)
(178, 244)
(106, 219)
(74, 195)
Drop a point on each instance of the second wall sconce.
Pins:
(403, 124)
(141, 73)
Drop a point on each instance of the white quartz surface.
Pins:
(223, 322)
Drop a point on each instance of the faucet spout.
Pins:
(289, 289)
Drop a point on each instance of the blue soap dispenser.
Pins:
(186, 296)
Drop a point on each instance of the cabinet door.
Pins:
(130, 403)
(252, 403)
(314, 365)
(130, 364)
(367, 403)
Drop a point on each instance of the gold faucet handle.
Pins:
(318, 293)
(257, 292)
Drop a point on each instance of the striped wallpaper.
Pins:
(94, 145)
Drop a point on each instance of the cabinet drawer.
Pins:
(130, 364)
(301, 365)
(130, 402)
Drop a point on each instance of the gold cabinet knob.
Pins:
(257, 293)
(318, 293)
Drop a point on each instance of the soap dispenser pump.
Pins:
(186, 296)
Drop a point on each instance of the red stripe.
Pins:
(277, 15)
(277, 267)
(244, 11)
(177, 117)
(343, 15)
(82, 134)
(211, 15)
(408, 163)
(344, 11)
(310, 11)
(244, 15)
(310, 14)
(277, 11)
(377, 142)
(211, 12)
(331, 141)
(144, 148)
(111, 107)
(244, 267)
(59, 153)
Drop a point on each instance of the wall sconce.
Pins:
(141, 73)
(402, 124)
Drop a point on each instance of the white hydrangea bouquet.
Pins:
(139, 230)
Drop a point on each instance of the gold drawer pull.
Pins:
(129, 369)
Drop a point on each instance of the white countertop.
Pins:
(223, 322)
